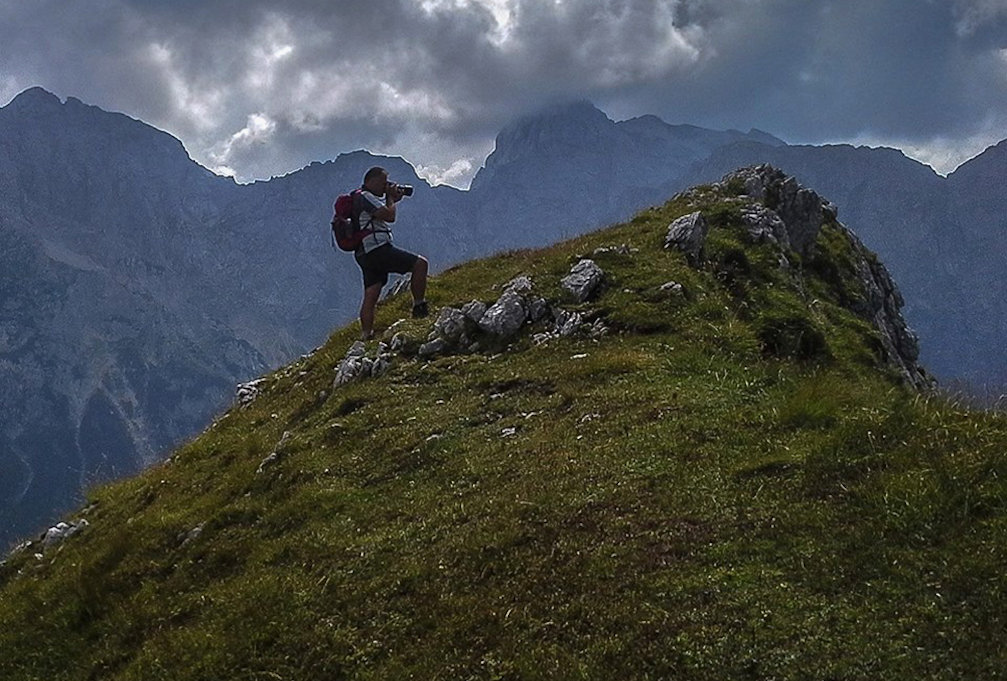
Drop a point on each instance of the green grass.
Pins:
(727, 486)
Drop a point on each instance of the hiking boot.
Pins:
(420, 310)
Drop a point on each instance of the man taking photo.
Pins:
(377, 256)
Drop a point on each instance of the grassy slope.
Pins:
(675, 502)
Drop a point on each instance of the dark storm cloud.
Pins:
(264, 87)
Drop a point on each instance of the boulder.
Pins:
(538, 309)
(688, 234)
(567, 323)
(583, 280)
(349, 370)
(764, 225)
(505, 316)
(451, 324)
(433, 347)
(474, 310)
(62, 531)
(245, 393)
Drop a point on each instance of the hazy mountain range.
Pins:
(138, 287)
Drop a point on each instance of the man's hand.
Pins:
(393, 192)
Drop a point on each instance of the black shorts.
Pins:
(383, 260)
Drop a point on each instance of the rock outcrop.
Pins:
(775, 209)
(356, 364)
(800, 209)
(583, 280)
(882, 306)
(688, 234)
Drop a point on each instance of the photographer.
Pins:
(377, 256)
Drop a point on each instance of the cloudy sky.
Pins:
(257, 89)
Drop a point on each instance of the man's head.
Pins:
(376, 180)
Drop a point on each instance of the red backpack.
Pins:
(346, 232)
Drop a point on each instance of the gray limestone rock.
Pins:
(245, 393)
(268, 461)
(505, 316)
(191, 535)
(764, 225)
(583, 280)
(881, 306)
(688, 234)
(800, 209)
(276, 454)
(673, 287)
(521, 284)
(433, 347)
(621, 249)
(348, 370)
(380, 366)
(357, 365)
(451, 324)
(474, 310)
(538, 309)
(567, 323)
(62, 531)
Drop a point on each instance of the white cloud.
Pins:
(199, 109)
(975, 14)
(417, 103)
(9, 88)
(435, 80)
(458, 174)
(258, 130)
(943, 154)
(271, 45)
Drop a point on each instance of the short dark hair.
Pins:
(374, 172)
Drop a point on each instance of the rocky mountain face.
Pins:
(944, 240)
(104, 360)
(138, 288)
(571, 169)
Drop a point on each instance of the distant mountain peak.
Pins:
(553, 130)
(986, 169)
(36, 98)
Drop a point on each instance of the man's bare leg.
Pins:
(418, 283)
(367, 307)
(418, 287)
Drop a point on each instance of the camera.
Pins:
(406, 189)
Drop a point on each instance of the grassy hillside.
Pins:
(729, 484)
